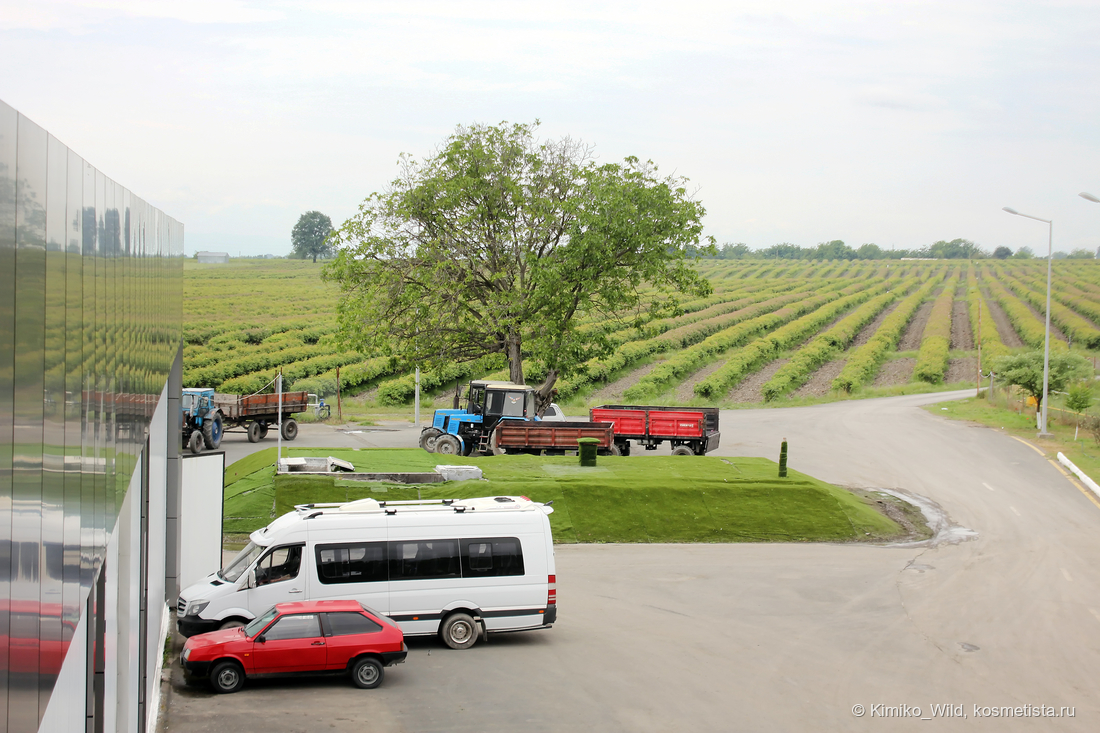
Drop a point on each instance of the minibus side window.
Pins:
(279, 564)
(491, 557)
(420, 559)
(356, 562)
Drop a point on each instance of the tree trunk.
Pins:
(545, 394)
(315, 259)
(515, 359)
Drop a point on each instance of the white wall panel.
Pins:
(201, 516)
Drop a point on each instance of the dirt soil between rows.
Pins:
(612, 393)
(961, 370)
(868, 331)
(961, 337)
(896, 371)
(1004, 328)
(1054, 330)
(686, 390)
(821, 382)
(751, 389)
(910, 340)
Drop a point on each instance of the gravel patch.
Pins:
(961, 337)
(751, 388)
(896, 371)
(821, 381)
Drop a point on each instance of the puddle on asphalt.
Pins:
(944, 531)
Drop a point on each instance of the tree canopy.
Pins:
(1026, 371)
(309, 238)
(499, 244)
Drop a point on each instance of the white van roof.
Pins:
(425, 506)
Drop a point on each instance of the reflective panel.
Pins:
(8, 126)
(90, 324)
(30, 302)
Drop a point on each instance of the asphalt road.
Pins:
(759, 637)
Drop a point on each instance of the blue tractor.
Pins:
(202, 422)
(473, 429)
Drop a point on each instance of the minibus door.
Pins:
(277, 577)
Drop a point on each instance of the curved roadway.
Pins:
(771, 637)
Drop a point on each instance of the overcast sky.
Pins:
(887, 122)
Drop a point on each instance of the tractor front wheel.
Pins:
(428, 437)
(447, 445)
(195, 442)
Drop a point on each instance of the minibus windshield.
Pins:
(240, 563)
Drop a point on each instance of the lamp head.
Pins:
(1089, 197)
(1010, 210)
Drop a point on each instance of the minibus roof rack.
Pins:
(374, 506)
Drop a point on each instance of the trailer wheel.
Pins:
(494, 443)
(615, 450)
(682, 450)
(254, 431)
(195, 443)
(428, 437)
(624, 448)
(447, 445)
(212, 430)
(263, 430)
(290, 429)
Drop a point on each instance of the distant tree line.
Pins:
(956, 249)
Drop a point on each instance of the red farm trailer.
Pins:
(690, 430)
(552, 438)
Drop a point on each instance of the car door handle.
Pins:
(318, 643)
(294, 590)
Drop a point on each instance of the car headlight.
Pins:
(186, 653)
(194, 608)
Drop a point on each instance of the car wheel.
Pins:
(428, 438)
(233, 623)
(253, 432)
(682, 450)
(459, 631)
(367, 673)
(226, 677)
(447, 445)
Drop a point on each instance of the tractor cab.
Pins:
(495, 400)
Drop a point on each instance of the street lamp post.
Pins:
(1046, 342)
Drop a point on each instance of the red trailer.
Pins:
(551, 438)
(255, 413)
(691, 430)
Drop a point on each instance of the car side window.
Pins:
(343, 624)
(279, 564)
(294, 626)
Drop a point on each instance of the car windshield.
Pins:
(260, 622)
(240, 563)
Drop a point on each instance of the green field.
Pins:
(773, 332)
(639, 499)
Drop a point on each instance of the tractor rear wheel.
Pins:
(212, 430)
(290, 429)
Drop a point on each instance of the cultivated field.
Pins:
(774, 332)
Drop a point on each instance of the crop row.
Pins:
(864, 361)
(935, 342)
(690, 359)
(987, 339)
(257, 381)
(1077, 298)
(600, 370)
(1078, 329)
(1026, 323)
(767, 347)
(824, 346)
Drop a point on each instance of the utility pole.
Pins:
(339, 404)
(979, 383)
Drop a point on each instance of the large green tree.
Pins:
(500, 243)
(309, 238)
(1026, 371)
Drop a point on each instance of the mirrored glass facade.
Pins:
(90, 328)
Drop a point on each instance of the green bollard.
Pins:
(586, 447)
(783, 459)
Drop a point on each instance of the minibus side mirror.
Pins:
(251, 578)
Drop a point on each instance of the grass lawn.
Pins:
(637, 499)
(1014, 419)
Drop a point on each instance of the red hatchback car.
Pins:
(315, 637)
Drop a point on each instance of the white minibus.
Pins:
(459, 568)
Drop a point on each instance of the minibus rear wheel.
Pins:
(459, 631)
